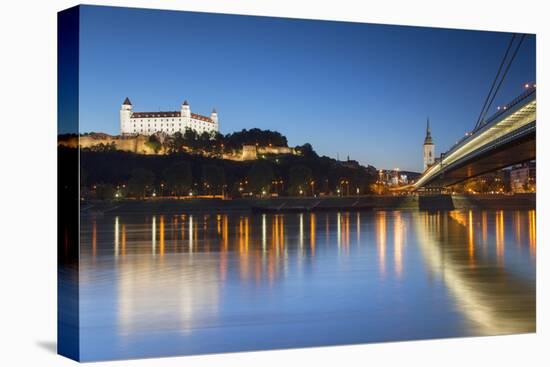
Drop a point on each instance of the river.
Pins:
(160, 285)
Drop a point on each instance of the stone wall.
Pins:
(135, 144)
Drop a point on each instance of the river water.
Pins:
(159, 285)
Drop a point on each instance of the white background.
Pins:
(28, 182)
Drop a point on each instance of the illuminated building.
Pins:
(429, 148)
(167, 122)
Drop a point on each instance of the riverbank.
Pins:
(297, 204)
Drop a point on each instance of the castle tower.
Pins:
(429, 148)
(125, 115)
(214, 116)
(185, 110)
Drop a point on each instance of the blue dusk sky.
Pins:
(354, 89)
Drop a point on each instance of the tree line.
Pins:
(108, 173)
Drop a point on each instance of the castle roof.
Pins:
(127, 102)
(169, 114)
(185, 103)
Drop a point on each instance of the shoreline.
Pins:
(310, 204)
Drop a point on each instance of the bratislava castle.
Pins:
(169, 122)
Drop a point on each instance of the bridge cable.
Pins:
(504, 75)
(494, 81)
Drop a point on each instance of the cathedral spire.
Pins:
(428, 138)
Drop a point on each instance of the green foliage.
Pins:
(141, 181)
(190, 138)
(178, 168)
(300, 177)
(175, 143)
(179, 178)
(306, 150)
(154, 143)
(213, 178)
(101, 147)
(260, 177)
(255, 136)
(105, 192)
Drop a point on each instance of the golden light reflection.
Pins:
(346, 227)
(312, 233)
(116, 237)
(381, 240)
(517, 225)
(494, 301)
(190, 230)
(339, 230)
(282, 232)
(470, 236)
(445, 246)
(161, 229)
(183, 230)
(94, 238)
(532, 232)
(301, 234)
(264, 233)
(123, 242)
(246, 228)
(243, 247)
(154, 236)
(484, 227)
(225, 235)
(275, 233)
(174, 232)
(499, 235)
(398, 227)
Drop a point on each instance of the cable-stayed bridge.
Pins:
(506, 138)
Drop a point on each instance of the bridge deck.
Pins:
(507, 138)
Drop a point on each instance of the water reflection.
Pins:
(398, 238)
(494, 300)
(189, 281)
(381, 241)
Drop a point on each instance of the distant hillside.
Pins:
(242, 145)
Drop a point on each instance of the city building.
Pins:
(396, 177)
(429, 148)
(167, 122)
(523, 177)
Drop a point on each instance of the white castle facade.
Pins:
(168, 122)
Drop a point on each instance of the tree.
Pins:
(190, 138)
(154, 143)
(140, 182)
(105, 192)
(103, 148)
(213, 178)
(299, 177)
(307, 151)
(176, 142)
(255, 136)
(260, 177)
(178, 177)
